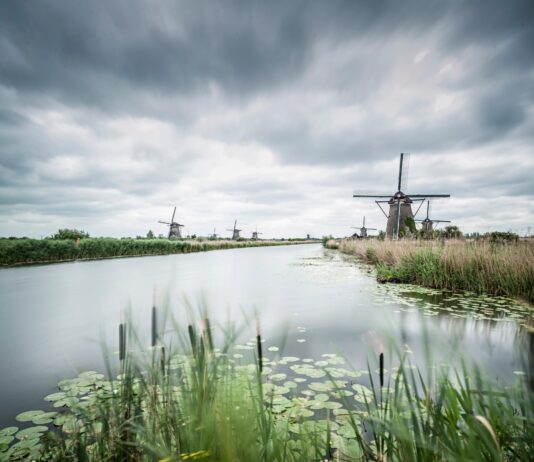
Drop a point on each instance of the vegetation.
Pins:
(479, 266)
(73, 234)
(25, 251)
(202, 403)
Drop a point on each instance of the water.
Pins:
(54, 318)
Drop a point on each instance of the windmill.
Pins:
(235, 232)
(400, 207)
(427, 224)
(174, 228)
(213, 235)
(363, 230)
(255, 234)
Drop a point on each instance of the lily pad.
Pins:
(31, 432)
(28, 416)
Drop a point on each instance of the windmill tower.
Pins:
(213, 235)
(174, 227)
(400, 207)
(235, 232)
(363, 230)
(255, 234)
(427, 225)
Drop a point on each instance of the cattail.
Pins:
(258, 343)
(154, 327)
(192, 339)
(207, 330)
(162, 360)
(122, 341)
(381, 367)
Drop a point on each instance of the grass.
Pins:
(196, 402)
(31, 251)
(497, 269)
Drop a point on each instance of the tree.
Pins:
(452, 232)
(150, 234)
(73, 234)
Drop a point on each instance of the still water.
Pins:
(55, 318)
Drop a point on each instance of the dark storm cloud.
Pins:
(150, 101)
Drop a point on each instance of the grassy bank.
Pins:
(203, 403)
(481, 267)
(29, 251)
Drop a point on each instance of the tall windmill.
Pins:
(427, 224)
(400, 207)
(235, 232)
(174, 228)
(363, 230)
(255, 234)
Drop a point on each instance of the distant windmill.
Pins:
(235, 232)
(213, 235)
(400, 207)
(363, 230)
(427, 224)
(174, 228)
(255, 234)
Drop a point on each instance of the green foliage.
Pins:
(18, 251)
(325, 239)
(410, 223)
(73, 234)
(150, 234)
(498, 237)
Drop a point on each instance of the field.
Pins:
(481, 267)
(250, 403)
(29, 251)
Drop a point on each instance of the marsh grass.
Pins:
(482, 267)
(187, 400)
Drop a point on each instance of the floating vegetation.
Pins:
(217, 405)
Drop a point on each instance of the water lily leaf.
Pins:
(45, 418)
(6, 439)
(8, 431)
(55, 396)
(31, 432)
(278, 377)
(28, 416)
(273, 348)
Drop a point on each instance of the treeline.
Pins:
(26, 251)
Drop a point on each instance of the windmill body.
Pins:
(427, 225)
(235, 232)
(175, 229)
(363, 231)
(400, 212)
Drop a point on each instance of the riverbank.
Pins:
(249, 403)
(480, 267)
(15, 252)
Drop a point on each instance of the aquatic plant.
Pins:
(478, 266)
(197, 402)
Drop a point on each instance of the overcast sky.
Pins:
(274, 113)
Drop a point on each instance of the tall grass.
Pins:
(25, 251)
(198, 403)
(482, 267)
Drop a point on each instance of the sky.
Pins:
(272, 113)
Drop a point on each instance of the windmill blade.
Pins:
(405, 172)
(371, 195)
(427, 208)
(372, 229)
(164, 222)
(400, 172)
(397, 220)
(235, 224)
(173, 213)
(429, 195)
(442, 221)
(363, 226)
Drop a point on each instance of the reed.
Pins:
(198, 404)
(505, 269)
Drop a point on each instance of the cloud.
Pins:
(271, 112)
